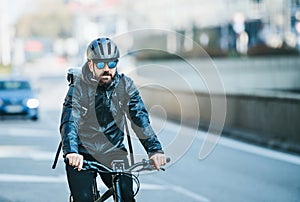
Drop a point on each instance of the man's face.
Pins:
(103, 73)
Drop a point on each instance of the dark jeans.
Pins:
(80, 184)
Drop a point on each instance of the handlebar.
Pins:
(119, 169)
(99, 167)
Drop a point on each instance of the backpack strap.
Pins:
(129, 142)
(121, 94)
(57, 155)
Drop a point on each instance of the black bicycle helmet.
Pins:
(102, 49)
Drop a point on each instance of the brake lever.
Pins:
(149, 168)
(146, 167)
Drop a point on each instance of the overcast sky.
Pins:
(12, 9)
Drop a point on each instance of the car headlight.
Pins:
(32, 103)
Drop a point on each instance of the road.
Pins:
(232, 172)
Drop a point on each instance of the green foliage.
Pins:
(5, 69)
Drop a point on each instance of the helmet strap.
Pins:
(94, 73)
(94, 78)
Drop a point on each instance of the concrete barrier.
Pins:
(265, 120)
(268, 121)
(262, 96)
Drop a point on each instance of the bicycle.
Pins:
(118, 169)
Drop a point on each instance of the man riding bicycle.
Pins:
(93, 120)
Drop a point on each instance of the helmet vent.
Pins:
(101, 48)
(93, 49)
(109, 48)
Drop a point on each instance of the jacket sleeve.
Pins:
(140, 122)
(70, 120)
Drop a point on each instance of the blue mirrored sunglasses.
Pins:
(101, 64)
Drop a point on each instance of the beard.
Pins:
(106, 78)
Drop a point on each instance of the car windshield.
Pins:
(14, 85)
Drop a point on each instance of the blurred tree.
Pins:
(51, 19)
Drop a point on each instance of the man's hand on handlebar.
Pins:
(75, 160)
(159, 160)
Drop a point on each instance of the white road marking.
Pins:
(28, 132)
(175, 188)
(32, 178)
(179, 189)
(190, 194)
(62, 179)
(147, 186)
(257, 150)
(27, 152)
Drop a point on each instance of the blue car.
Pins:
(18, 98)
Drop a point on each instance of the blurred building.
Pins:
(5, 42)
(221, 27)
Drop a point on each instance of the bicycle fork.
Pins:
(95, 190)
(117, 188)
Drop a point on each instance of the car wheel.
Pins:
(35, 118)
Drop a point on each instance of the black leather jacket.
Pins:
(93, 119)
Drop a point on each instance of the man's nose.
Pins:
(106, 67)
